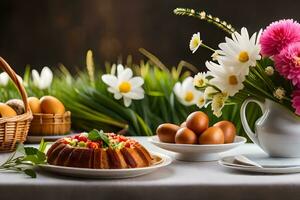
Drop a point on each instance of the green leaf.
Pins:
(20, 149)
(104, 137)
(95, 135)
(30, 150)
(26, 76)
(41, 156)
(34, 155)
(30, 172)
(43, 145)
(32, 158)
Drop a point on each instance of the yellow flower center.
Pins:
(125, 87)
(232, 80)
(201, 101)
(196, 42)
(297, 61)
(243, 56)
(199, 82)
(189, 96)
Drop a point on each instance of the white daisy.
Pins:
(43, 80)
(4, 78)
(186, 93)
(201, 101)
(227, 79)
(124, 85)
(209, 92)
(215, 55)
(200, 79)
(195, 42)
(218, 103)
(240, 51)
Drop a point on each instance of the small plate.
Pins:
(194, 152)
(229, 162)
(161, 161)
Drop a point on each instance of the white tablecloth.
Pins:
(180, 180)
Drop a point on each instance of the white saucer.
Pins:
(228, 162)
(162, 161)
(195, 152)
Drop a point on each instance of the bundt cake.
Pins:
(99, 150)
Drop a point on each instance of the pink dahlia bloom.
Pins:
(278, 35)
(296, 101)
(287, 63)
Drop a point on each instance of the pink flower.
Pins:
(296, 101)
(287, 63)
(278, 35)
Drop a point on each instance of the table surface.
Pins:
(180, 180)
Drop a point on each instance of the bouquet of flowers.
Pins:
(265, 65)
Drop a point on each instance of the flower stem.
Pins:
(260, 70)
(259, 89)
(258, 75)
(207, 47)
(228, 28)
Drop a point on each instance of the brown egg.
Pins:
(183, 124)
(166, 132)
(197, 122)
(7, 111)
(185, 136)
(17, 105)
(51, 105)
(228, 129)
(212, 135)
(34, 104)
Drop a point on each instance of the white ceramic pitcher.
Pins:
(277, 131)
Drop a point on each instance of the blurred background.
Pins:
(48, 32)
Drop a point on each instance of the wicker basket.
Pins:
(14, 130)
(50, 124)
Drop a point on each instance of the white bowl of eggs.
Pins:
(194, 140)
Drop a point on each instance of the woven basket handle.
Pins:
(12, 74)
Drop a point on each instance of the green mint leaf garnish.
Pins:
(95, 135)
(104, 138)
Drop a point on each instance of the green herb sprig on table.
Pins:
(24, 162)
